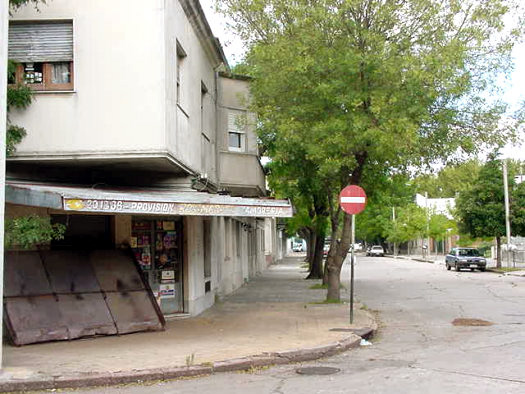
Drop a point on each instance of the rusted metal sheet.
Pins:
(133, 312)
(25, 275)
(34, 319)
(65, 295)
(115, 271)
(86, 315)
(70, 272)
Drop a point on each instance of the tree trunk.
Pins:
(335, 260)
(333, 279)
(316, 270)
(498, 252)
(310, 247)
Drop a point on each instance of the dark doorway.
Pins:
(84, 232)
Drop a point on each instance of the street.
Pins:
(417, 348)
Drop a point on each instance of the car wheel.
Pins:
(456, 267)
(482, 269)
(472, 269)
(448, 267)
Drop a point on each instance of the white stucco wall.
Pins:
(125, 97)
(184, 125)
(117, 105)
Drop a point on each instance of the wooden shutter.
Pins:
(41, 42)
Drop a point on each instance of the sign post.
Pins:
(353, 201)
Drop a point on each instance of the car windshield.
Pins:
(377, 247)
(468, 252)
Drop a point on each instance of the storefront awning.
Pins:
(142, 201)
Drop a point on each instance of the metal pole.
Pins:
(352, 257)
(507, 209)
(4, 23)
(394, 220)
(426, 252)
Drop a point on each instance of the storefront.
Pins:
(188, 246)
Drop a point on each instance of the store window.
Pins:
(43, 52)
(157, 247)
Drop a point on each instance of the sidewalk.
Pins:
(272, 320)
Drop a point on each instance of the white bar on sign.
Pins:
(355, 200)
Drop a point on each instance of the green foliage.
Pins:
(29, 231)
(16, 4)
(19, 96)
(353, 92)
(449, 181)
(441, 227)
(15, 135)
(482, 208)
(410, 223)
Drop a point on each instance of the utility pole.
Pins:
(507, 208)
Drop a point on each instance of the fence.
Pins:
(517, 258)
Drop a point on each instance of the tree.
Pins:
(363, 89)
(441, 227)
(411, 223)
(481, 209)
(449, 181)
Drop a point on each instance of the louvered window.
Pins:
(44, 53)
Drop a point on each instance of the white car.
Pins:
(376, 250)
(297, 247)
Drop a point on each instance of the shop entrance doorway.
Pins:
(157, 246)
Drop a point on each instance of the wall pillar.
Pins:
(4, 23)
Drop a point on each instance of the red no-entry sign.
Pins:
(352, 199)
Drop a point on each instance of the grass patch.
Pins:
(327, 302)
(318, 286)
(505, 269)
(321, 286)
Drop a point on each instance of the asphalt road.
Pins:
(417, 349)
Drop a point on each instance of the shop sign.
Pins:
(166, 291)
(171, 208)
(168, 275)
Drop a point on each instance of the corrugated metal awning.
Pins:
(144, 201)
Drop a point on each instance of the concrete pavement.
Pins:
(274, 319)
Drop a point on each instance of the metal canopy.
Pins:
(145, 201)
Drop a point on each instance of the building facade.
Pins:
(139, 139)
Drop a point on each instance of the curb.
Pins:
(412, 259)
(236, 364)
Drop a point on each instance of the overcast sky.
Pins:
(514, 88)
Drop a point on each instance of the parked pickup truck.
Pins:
(465, 258)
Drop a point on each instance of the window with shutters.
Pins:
(43, 52)
(236, 131)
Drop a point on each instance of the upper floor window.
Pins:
(44, 53)
(236, 131)
(181, 55)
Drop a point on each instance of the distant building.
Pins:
(442, 206)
